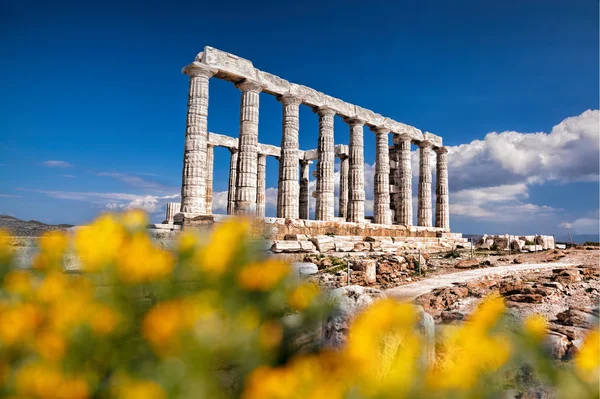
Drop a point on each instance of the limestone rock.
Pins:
(305, 268)
(349, 301)
(369, 267)
(324, 243)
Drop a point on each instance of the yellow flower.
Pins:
(54, 287)
(54, 243)
(102, 319)
(222, 246)
(587, 359)
(134, 219)
(303, 295)
(535, 326)
(45, 381)
(187, 241)
(6, 250)
(270, 334)
(18, 323)
(488, 313)
(140, 261)
(99, 243)
(18, 282)
(50, 345)
(140, 389)
(162, 325)
(262, 276)
(73, 388)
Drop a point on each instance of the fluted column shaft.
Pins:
(424, 212)
(404, 207)
(304, 194)
(325, 172)
(193, 180)
(343, 199)
(245, 192)
(381, 203)
(232, 181)
(288, 191)
(261, 176)
(210, 161)
(442, 208)
(356, 181)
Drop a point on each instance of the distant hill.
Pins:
(28, 228)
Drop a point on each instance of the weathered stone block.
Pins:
(368, 266)
(344, 245)
(286, 246)
(296, 237)
(323, 243)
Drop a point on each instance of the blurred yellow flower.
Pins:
(139, 389)
(302, 296)
(18, 322)
(587, 360)
(6, 250)
(50, 345)
(134, 219)
(140, 261)
(18, 282)
(222, 246)
(270, 334)
(99, 243)
(535, 326)
(103, 319)
(262, 276)
(488, 312)
(187, 241)
(38, 380)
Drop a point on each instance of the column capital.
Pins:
(425, 144)
(380, 130)
(262, 155)
(305, 162)
(324, 111)
(198, 69)
(289, 99)
(402, 137)
(232, 150)
(352, 121)
(248, 85)
(441, 150)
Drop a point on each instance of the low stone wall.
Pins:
(531, 243)
(278, 229)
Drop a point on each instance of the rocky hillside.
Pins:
(28, 228)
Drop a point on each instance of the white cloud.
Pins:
(135, 181)
(589, 224)
(57, 164)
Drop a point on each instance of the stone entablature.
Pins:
(392, 191)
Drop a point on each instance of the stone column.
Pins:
(261, 176)
(381, 203)
(424, 212)
(210, 156)
(288, 192)
(232, 181)
(245, 191)
(343, 200)
(404, 207)
(304, 194)
(325, 162)
(442, 208)
(173, 208)
(193, 180)
(356, 180)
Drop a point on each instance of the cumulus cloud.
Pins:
(569, 153)
(135, 181)
(57, 164)
(590, 224)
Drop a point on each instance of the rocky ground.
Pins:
(27, 228)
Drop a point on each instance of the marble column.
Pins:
(261, 176)
(288, 191)
(343, 199)
(304, 194)
(424, 212)
(173, 208)
(325, 162)
(381, 199)
(404, 205)
(245, 191)
(232, 181)
(393, 154)
(356, 174)
(442, 208)
(193, 180)
(210, 157)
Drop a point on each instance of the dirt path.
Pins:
(409, 292)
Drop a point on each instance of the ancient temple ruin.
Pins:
(393, 205)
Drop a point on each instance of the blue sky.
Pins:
(97, 86)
